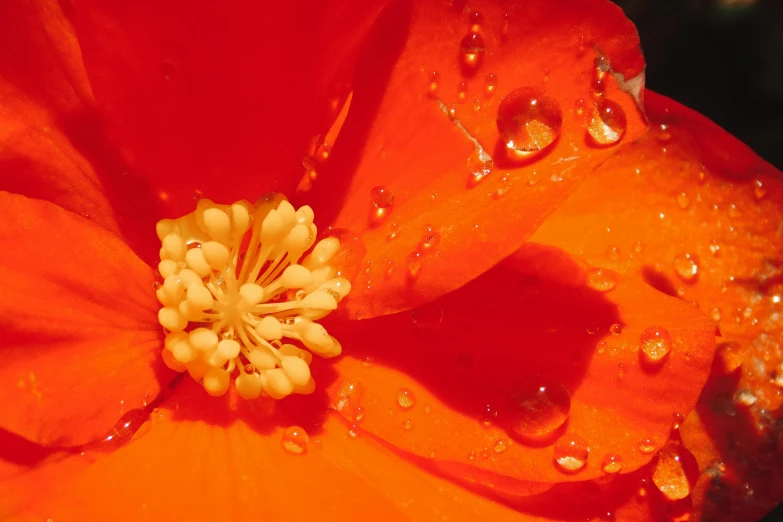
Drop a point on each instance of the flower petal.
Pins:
(447, 383)
(81, 341)
(218, 101)
(422, 156)
(689, 188)
(203, 458)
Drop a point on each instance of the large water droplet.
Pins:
(405, 398)
(295, 440)
(601, 280)
(686, 267)
(528, 121)
(669, 474)
(571, 453)
(655, 343)
(124, 429)
(612, 463)
(472, 50)
(607, 123)
(537, 410)
(381, 197)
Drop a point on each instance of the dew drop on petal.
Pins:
(408, 424)
(571, 453)
(476, 19)
(490, 84)
(124, 429)
(434, 81)
(601, 280)
(414, 262)
(538, 409)
(607, 123)
(472, 49)
(612, 463)
(480, 166)
(616, 329)
(759, 190)
(295, 440)
(686, 266)
(488, 416)
(646, 446)
(405, 398)
(462, 91)
(381, 197)
(428, 316)
(729, 355)
(429, 239)
(349, 397)
(655, 343)
(528, 121)
(669, 474)
(500, 446)
(683, 200)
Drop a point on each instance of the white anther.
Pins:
(188, 311)
(171, 319)
(298, 239)
(173, 247)
(261, 358)
(173, 338)
(229, 348)
(252, 293)
(319, 301)
(216, 381)
(217, 224)
(271, 227)
(277, 384)
(289, 350)
(323, 251)
(164, 227)
(197, 368)
(296, 276)
(167, 268)
(337, 286)
(171, 363)
(287, 214)
(316, 338)
(202, 339)
(305, 215)
(214, 358)
(269, 328)
(296, 370)
(199, 297)
(172, 289)
(195, 260)
(162, 299)
(240, 219)
(216, 254)
(184, 352)
(189, 278)
(321, 276)
(248, 385)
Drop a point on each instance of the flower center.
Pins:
(234, 289)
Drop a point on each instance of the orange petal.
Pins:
(448, 383)
(221, 102)
(78, 315)
(204, 458)
(423, 157)
(691, 189)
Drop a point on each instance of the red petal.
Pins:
(412, 148)
(691, 188)
(443, 384)
(218, 101)
(81, 341)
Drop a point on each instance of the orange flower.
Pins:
(535, 381)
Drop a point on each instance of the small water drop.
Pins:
(505, 187)
(538, 410)
(414, 262)
(428, 316)
(715, 314)
(733, 211)
(686, 266)
(669, 474)
(746, 397)
(476, 19)
(759, 190)
(616, 329)
(472, 49)
(528, 122)
(453, 111)
(654, 344)
(394, 231)
(646, 446)
(612, 463)
(462, 91)
(488, 416)
(480, 166)
(571, 453)
(295, 440)
(683, 201)
(607, 123)
(405, 398)
(359, 415)
(679, 418)
(601, 280)
(490, 85)
(124, 429)
(408, 424)
(500, 446)
(472, 455)
(367, 362)
(434, 81)
(349, 397)
(430, 239)
(381, 197)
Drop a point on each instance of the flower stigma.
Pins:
(237, 285)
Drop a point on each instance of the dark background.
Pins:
(723, 58)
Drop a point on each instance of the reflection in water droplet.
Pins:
(616, 329)
(655, 343)
(646, 446)
(490, 84)
(428, 316)
(430, 239)
(715, 314)
(480, 166)
(601, 280)
(687, 267)
(295, 440)
(434, 81)
(571, 453)
(472, 50)
(607, 123)
(537, 410)
(669, 474)
(612, 463)
(381, 197)
(413, 262)
(528, 121)
(405, 398)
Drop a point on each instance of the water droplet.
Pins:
(571, 453)
(500, 446)
(381, 197)
(295, 440)
(349, 397)
(612, 463)
(488, 416)
(601, 280)
(472, 49)
(646, 446)
(669, 474)
(408, 424)
(504, 188)
(413, 262)
(156, 285)
(480, 166)
(484, 454)
(682, 200)
(538, 410)
(679, 418)
(490, 84)
(472, 455)
(687, 267)
(616, 329)
(359, 415)
(428, 316)
(353, 431)
(434, 81)
(528, 121)
(169, 70)
(430, 239)
(607, 123)
(394, 231)
(580, 106)
(476, 19)
(453, 111)
(462, 91)
(715, 314)
(123, 431)
(367, 362)
(654, 343)
(613, 253)
(378, 215)
(733, 211)
(405, 398)
(759, 190)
